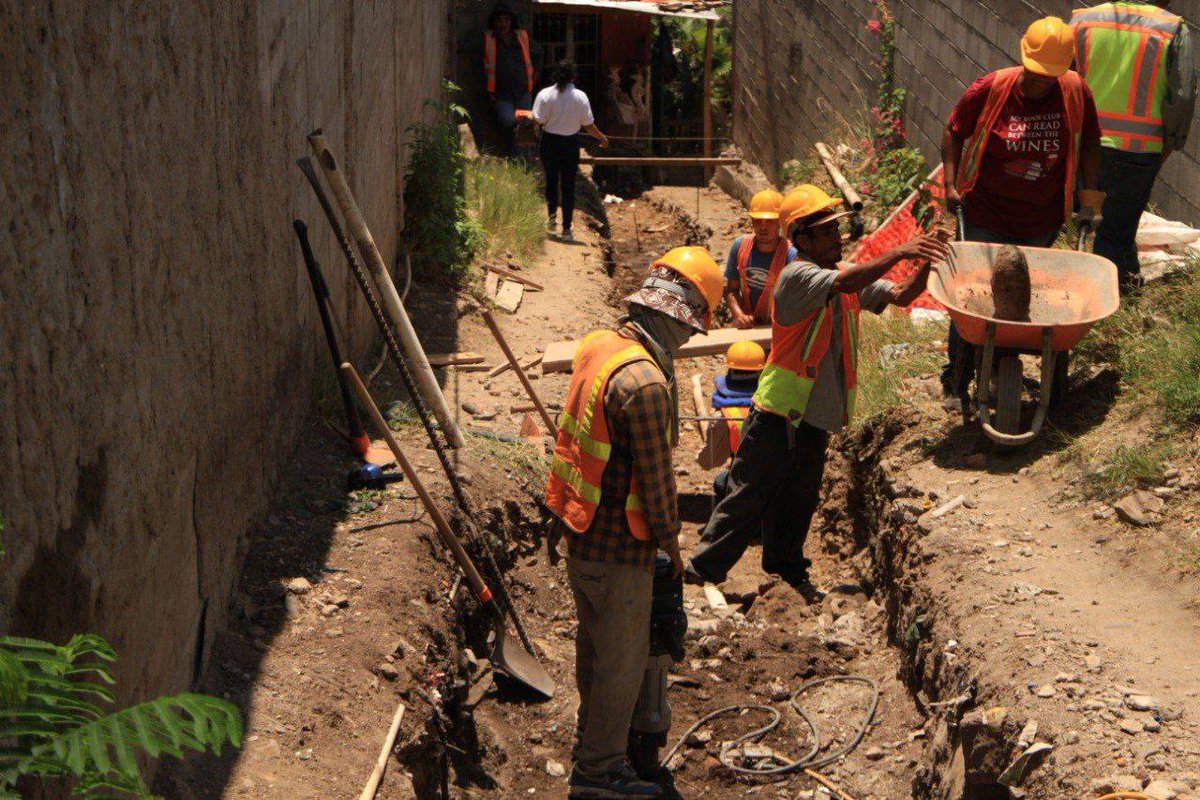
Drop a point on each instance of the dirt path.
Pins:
(1062, 625)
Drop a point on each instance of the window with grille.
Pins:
(574, 37)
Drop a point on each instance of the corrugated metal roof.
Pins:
(694, 9)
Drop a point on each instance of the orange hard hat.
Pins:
(1048, 47)
(808, 203)
(695, 264)
(746, 355)
(765, 204)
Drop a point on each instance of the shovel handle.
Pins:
(439, 520)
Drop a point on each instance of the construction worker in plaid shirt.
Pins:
(612, 489)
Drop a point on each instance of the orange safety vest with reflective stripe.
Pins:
(489, 58)
(734, 417)
(795, 360)
(766, 300)
(1121, 51)
(1002, 87)
(584, 444)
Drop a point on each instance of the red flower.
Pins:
(874, 26)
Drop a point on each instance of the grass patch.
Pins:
(510, 456)
(1154, 341)
(892, 349)
(1109, 472)
(504, 201)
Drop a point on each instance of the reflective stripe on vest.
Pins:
(583, 447)
(795, 361)
(1003, 83)
(766, 300)
(1121, 52)
(489, 59)
(734, 416)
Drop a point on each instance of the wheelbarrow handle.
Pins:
(1085, 228)
(962, 224)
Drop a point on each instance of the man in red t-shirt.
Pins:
(1016, 180)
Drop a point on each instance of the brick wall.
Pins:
(804, 69)
(159, 339)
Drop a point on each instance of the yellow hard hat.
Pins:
(809, 203)
(765, 204)
(1048, 47)
(695, 264)
(746, 355)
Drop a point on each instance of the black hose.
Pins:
(809, 760)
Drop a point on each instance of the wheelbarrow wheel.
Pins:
(1008, 395)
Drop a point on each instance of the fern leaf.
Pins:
(14, 680)
(166, 725)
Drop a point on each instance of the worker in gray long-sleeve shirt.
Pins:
(805, 393)
(1137, 59)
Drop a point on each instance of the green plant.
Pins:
(504, 201)
(53, 725)
(682, 98)
(894, 169)
(436, 222)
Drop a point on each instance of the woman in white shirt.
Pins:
(563, 111)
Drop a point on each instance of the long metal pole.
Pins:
(387, 289)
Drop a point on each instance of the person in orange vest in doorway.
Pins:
(1137, 59)
(612, 492)
(806, 392)
(731, 400)
(1015, 147)
(511, 63)
(755, 261)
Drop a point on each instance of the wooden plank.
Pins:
(659, 161)
(559, 355)
(491, 284)
(454, 359)
(512, 276)
(509, 296)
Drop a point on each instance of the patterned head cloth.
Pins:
(668, 292)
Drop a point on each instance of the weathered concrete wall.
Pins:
(159, 341)
(805, 66)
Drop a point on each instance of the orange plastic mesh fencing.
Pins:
(898, 229)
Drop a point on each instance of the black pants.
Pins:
(1128, 178)
(560, 158)
(774, 485)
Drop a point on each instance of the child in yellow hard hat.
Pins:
(732, 399)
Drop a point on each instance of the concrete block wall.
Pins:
(804, 68)
(159, 339)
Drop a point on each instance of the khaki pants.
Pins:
(612, 602)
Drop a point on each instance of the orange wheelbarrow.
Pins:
(1072, 291)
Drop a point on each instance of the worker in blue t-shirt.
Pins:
(755, 262)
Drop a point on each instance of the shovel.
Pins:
(507, 655)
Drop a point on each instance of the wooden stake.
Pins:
(512, 276)
(701, 407)
(387, 289)
(528, 363)
(839, 180)
(707, 103)
(512, 362)
(368, 793)
(828, 784)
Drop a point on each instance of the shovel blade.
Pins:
(519, 664)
